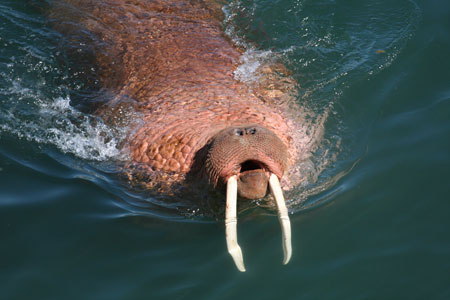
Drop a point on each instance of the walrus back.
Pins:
(150, 49)
(170, 61)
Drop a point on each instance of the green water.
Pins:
(375, 224)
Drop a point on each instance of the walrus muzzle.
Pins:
(248, 159)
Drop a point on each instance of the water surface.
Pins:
(373, 222)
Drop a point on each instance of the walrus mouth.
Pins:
(253, 177)
(231, 221)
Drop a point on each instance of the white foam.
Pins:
(251, 61)
(90, 139)
(32, 116)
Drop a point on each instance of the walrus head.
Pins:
(251, 153)
(248, 159)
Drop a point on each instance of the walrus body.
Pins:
(172, 63)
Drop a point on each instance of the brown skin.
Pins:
(252, 153)
(173, 61)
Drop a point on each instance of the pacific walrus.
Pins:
(171, 62)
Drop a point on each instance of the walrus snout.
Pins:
(249, 159)
(251, 153)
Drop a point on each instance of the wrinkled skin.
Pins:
(170, 62)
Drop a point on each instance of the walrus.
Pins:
(172, 63)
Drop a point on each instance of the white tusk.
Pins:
(231, 223)
(283, 216)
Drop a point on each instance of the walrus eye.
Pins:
(252, 130)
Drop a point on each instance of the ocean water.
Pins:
(372, 222)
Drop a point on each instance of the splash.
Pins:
(251, 62)
(35, 101)
(59, 124)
